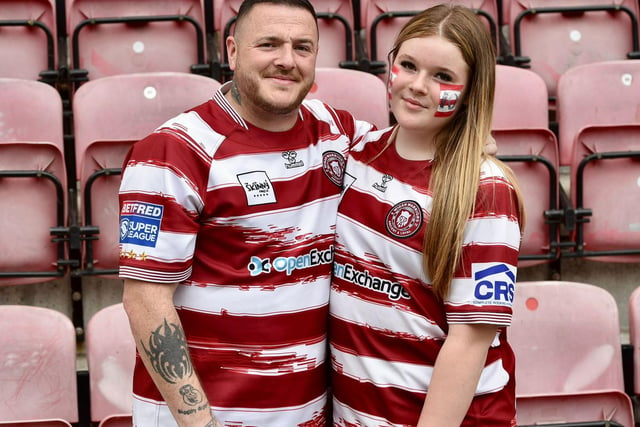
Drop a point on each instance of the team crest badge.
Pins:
(404, 219)
(333, 165)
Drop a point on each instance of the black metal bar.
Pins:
(51, 64)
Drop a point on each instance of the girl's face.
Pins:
(427, 83)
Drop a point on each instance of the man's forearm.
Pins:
(162, 346)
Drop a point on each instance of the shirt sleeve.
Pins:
(161, 196)
(483, 288)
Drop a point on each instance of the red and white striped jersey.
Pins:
(387, 326)
(244, 219)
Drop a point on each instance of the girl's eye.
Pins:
(444, 77)
(408, 65)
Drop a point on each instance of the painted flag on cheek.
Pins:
(449, 95)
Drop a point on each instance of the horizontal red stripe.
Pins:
(365, 341)
(226, 388)
(393, 404)
(275, 330)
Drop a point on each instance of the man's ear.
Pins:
(232, 51)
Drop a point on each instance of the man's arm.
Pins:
(162, 346)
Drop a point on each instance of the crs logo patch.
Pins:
(404, 219)
(494, 283)
(140, 223)
(333, 166)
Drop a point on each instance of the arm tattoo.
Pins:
(168, 353)
(235, 93)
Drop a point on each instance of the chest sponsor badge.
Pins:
(257, 187)
(140, 223)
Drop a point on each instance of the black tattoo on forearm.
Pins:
(235, 92)
(168, 353)
(191, 395)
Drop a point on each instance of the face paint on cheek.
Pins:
(392, 76)
(449, 96)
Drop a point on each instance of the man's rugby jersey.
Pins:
(244, 219)
(387, 326)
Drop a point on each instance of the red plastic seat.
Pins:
(556, 35)
(38, 369)
(111, 354)
(34, 182)
(362, 94)
(521, 130)
(111, 37)
(600, 140)
(28, 39)
(109, 115)
(566, 338)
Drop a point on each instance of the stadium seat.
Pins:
(383, 19)
(34, 182)
(37, 423)
(552, 36)
(521, 130)
(337, 26)
(109, 115)
(28, 39)
(38, 369)
(599, 121)
(121, 37)
(566, 339)
(362, 94)
(111, 354)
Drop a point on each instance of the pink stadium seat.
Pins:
(634, 336)
(28, 39)
(521, 130)
(566, 338)
(383, 19)
(34, 182)
(600, 140)
(362, 94)
(111, 354)
(38, 369)
(336, 24)
(117, 421)
(109, 115)
(556, 35)
(37, 423)
(110, 37)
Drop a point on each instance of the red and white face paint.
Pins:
(449, 97)
(392, 76)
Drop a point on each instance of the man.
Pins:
(227, 231)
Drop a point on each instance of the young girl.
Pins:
(428, 235)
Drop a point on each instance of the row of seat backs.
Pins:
(119, 36)
(113, 112)
(38, 367)
(565, 335)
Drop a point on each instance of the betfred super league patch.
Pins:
(140, 223)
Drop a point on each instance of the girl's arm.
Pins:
(456, 374)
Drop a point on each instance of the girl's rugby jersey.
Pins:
(244, 219)
(387, 326)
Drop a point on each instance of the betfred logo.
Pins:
(494, 283)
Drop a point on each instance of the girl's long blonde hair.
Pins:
(460, 145)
